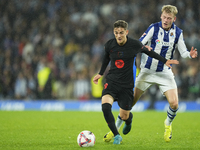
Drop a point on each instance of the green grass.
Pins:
(38, 130)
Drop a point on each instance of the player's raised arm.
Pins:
(193, 52)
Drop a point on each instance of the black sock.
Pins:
(106, 108)
(129, 120)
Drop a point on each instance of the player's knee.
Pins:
(124, 117)
(174, 105)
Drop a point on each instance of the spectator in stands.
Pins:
(20, 86)
(45, 82)
(82, 86)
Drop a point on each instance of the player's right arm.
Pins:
(106, 60)
(96, 78)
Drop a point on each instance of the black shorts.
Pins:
(124, 96)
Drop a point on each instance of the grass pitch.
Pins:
(39, 130)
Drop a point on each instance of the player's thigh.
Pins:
(107, 99)
(172, 98)
(125, 98)
(166, 82)
(143, 82)
(109, 93)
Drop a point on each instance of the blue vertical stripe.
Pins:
(178, 33)
(161, 64)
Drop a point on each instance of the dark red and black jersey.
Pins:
(122, 58)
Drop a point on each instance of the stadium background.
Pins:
(51, 49)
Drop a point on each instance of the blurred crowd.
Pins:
(51, 49)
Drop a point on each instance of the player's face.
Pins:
(120, 35)
(167, 20)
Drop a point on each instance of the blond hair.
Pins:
(169, 9)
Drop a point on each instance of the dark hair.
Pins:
(121, 23)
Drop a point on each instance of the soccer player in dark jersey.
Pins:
(121, 52)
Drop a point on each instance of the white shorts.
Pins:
(165, 80)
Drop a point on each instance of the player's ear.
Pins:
(174, 18)
(127, 32)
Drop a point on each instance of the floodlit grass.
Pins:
(39, 130)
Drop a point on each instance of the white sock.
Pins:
(171, 114)
(119, 122)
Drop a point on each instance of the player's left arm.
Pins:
(183, 49)
(193, 52)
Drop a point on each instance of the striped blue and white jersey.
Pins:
(164, 43)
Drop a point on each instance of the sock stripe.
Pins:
(173, 109)
(171, 114)
(119, 117)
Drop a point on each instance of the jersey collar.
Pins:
(172, 27)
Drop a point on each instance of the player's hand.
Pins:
(96, 78)
(193, 52)
(169, 62)
(148, 47)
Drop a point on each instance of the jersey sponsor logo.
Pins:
(163, 43)
(119, 63)
(157, 41)
(105, 85)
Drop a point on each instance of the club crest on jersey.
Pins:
(120, 54)
(172, 34)
(119, 63)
